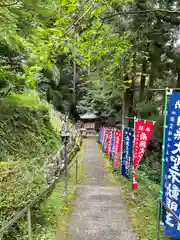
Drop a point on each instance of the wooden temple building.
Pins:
(90, 122)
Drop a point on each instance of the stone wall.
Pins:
(56, 162)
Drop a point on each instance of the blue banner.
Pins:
(105, 141)
(127, 152)
(112, 146)
(171, 178)
(100, 135)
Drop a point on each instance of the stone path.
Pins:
(98, 212)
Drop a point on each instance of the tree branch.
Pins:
(78, 20)
(144, 11)
(9, 4)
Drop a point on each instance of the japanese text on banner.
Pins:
(108, 149)
(105, 140)
(127, 150)
(117, 148)
(143, 131)
(171, 178)
(112, 145)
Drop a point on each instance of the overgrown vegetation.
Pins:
(22, 170)
(141, 208)
(149, 61)
(79, 56)
(27, 139)
(52, 218)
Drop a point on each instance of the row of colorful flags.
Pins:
(126, 148)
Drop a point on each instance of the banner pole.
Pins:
(122, 122)
(167, 93)
(135, 119)
(163, 146)
(122, 142)
(158, 219)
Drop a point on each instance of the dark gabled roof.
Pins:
(88, 116)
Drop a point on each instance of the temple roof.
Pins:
(88, 116)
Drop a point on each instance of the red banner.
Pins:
(143, 132)
(117, 148)
(108, 149)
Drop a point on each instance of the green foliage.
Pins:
(29, 99)
(52, 217)
(142, 208)
(113, 51)
(41, 39)
(27, 139)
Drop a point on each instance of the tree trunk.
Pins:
(131, 98)
(152, 78)
(132, 89)
(128, 101)
(142, 82)
(125, 107)
(178, 78)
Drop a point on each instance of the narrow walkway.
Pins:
(98, 212)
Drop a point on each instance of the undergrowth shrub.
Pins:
(27, 138)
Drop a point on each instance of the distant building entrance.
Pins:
(89, 122)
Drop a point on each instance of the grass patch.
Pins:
(54, 211)
(142, 210)
(29, 99)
